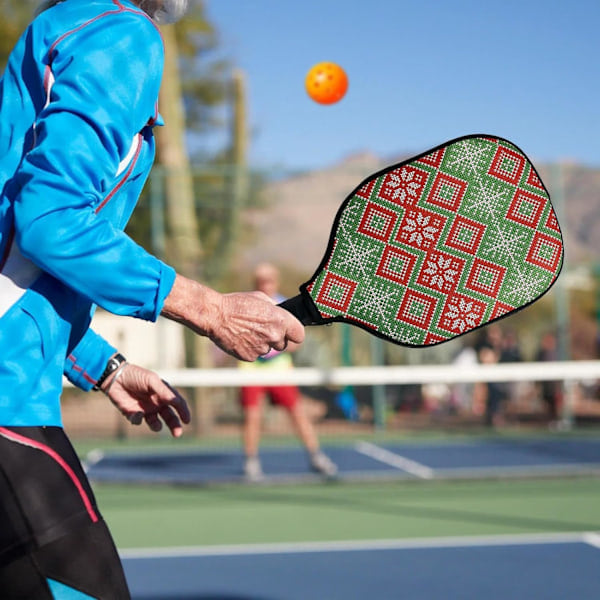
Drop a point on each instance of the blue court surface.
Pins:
(519, 567)
(527, 566)
(362, 460)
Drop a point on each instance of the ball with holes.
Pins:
(326, 83)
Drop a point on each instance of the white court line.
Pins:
(358, 545)
(395, 460)
(592, 538)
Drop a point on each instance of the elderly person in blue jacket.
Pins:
(78, 103)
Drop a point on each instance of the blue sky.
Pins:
(420, 73)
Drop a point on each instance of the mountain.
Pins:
(293, 228)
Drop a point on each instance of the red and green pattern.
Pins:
(440, 245)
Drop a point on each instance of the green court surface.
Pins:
(161, 516)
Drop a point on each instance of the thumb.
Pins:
(294, 329)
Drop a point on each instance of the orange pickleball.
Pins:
(326, 83)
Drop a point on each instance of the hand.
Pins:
(141, 394)
(245, 324)
(251, 325)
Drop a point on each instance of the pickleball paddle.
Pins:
(438, 245)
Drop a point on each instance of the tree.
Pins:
(192, 88)
(15, 16)
(208, 85)
(204, 76)
(184, 44)
(184, 242)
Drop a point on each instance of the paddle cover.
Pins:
(437, 246)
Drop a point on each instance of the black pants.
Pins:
(51, 532)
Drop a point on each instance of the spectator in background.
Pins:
(551, 391)
(511, 350)
(506, 347)
(493, 336)
(511, 353)
(504, 342)
(266, 280)
(494, 391)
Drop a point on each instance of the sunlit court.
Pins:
(312, 289)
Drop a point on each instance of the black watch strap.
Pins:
(114, 362)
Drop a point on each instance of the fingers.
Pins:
(135, 418)
(168, 416)
(292, 331)
(170, 406)
(153, 422)
(280, 346)
(142, 395)
(171, 420)
(295, 330)
(179, 403)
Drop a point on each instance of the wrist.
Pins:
(112, 378)
(192, 304)
(113, 364)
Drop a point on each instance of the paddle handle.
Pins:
(303, 308)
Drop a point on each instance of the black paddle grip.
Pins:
(303, 308)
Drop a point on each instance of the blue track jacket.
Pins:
(78, 101)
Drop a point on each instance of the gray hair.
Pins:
(161, 11)
(45, 5)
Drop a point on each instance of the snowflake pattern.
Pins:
(440, 272)
(377, 300)
(419, 229)
(404, 185)
(377, 303)
(469, 156)
(505, 244)
(487, 201)
(426, 237)
(357, 257)
(462, 315)
(526, 288)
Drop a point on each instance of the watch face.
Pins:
(114, 362)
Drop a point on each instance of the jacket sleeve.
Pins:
(86, 363)
(106, 79)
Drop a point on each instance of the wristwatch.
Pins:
(114, 362)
